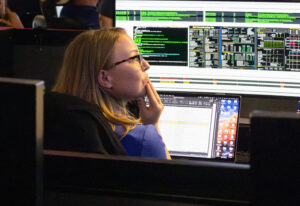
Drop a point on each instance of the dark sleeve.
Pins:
(77, 132)
(107, 8)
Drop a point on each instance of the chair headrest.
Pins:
(39, 22)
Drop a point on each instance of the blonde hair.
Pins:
(88, 54)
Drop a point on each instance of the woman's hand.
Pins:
(150, 114)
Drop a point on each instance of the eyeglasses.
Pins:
(138, 57)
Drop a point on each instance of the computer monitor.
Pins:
(238, 47)
(21, 137)
(197, 126)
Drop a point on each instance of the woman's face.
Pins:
(128, 79)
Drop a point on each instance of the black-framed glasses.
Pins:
(138, 57)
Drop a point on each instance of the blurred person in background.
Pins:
(82, 11)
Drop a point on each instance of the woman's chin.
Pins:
(132, 98)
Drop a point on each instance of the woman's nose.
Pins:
(145, 65)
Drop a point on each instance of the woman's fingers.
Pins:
(151, 95)
(150, 114)
(155, 92)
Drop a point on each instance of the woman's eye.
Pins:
(133, 60)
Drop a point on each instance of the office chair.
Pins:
(72, 124)
(21, 137)
(39, 22)
(275, 158)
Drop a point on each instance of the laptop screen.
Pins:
(200, 126)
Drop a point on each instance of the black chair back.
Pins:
(72, 124)
(275, 158)
(21, 141)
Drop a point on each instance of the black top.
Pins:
(86, 16)
(72, 124)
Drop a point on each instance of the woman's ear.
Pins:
(104, 79)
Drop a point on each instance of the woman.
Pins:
(9, 18)
(104, 67)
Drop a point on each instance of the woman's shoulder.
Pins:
(151, 137)
(139, 135)
(143, 131)
(149, 141)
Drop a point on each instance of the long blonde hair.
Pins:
(88, 54)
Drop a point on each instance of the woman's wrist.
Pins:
(157, 127)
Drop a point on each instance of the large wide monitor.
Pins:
(240, 47)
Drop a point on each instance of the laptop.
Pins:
(198, 126)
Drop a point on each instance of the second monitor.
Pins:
(200, 126)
